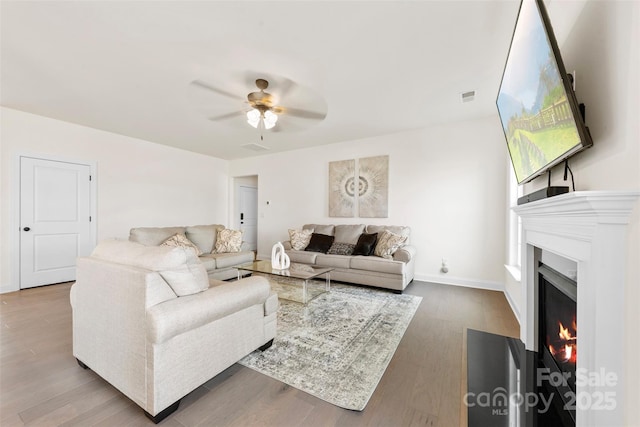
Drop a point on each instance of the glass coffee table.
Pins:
(300, 282)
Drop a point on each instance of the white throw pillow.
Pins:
(300, 238)
(388, 243)
(228, 241)
(180, 241)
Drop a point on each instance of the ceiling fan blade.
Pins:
(207, 86)
(284, 88)
(305, 114)
(226, 116)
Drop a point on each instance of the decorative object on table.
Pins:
(279, 259)
(363, 184)
(338, 346)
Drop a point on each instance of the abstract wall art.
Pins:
(361, 186)
(341, 188)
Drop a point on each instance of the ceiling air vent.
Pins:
(468, 96)
(255, 147)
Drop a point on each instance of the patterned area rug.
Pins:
(338, 347)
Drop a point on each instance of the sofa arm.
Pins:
(405, 253)
(171, 318)
(287, 245)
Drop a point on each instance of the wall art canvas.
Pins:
(373, 187)
(342, 199)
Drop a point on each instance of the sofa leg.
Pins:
(266, 346)
(164, 413)
(82, 365)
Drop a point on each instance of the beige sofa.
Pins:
(219, 266)
(150, 322)
(394, 273)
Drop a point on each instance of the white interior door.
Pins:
(248, 211)
(55, 220)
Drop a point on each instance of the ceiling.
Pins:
(375, 67)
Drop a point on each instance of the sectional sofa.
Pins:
(393, 272)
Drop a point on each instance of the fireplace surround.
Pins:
(590, 228)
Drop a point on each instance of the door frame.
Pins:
(15, 221)
(239, 181)
(238, 222)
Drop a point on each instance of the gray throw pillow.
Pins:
(340, 248)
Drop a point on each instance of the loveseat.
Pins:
(220, 264)
(151, 323)
(392, 269)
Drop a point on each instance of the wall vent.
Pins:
(468, 96)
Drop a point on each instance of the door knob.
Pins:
(26, 229)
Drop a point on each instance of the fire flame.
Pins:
(567, 351)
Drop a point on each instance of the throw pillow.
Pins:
(388, 244)
(366, 244)
(228, 241)
(319, 243)
(300, 239)
(179, 240)
(340, 248)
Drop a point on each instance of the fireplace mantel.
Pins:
(590, 228)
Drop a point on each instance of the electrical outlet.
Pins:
(445, 266)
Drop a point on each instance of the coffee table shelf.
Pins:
(300, 282)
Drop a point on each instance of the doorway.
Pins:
(247, 210)
(56, 219)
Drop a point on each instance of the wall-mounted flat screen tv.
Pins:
(538, 109)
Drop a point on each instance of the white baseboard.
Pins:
(460, 281)
(471, 283)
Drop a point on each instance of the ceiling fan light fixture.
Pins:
(253, 117)
(268, 118)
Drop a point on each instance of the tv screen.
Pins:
(537, 106)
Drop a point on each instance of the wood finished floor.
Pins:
(41, 384)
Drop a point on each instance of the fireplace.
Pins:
(558, 334)
(590, 229)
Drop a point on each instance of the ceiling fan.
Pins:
(262, 111)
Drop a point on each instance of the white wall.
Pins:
(603, 47)
(444, 182)
(139, 183)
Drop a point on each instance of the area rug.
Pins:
(338, 346)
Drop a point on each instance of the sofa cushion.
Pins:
(302, 257)
(204, 236)
(231, 259)
(208, 261)
(388, 244)
(336, 261)
(228, 241)
(174, 317)
(181, 241)
(366, 244)
(299, 239)
(377, 264)
(348, 233)
(396, 229)
(179, 267)
(319, 243)
(339, 248)
(153, 236)
(319, 228)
